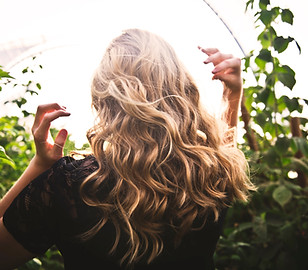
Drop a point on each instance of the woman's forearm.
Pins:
(232, 113)
(33, 170)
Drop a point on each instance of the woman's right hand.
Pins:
(47, 150)
(227, 69)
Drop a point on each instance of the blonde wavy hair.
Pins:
(166, 154)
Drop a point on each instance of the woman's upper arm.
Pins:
(12, 254)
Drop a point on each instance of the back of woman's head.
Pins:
(165, 153)
(141, 69)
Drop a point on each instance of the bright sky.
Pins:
(77, 32)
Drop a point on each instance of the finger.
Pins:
(233, 65)
(208, 51)
(59, 142)
(41, 132)
(217, 58)
(220, 76)
(43, 109)
(230, 81)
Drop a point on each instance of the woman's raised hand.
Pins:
(47, 150)
(227, 69)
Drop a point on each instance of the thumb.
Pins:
(219, 76)
(226, 78)
(59, 142)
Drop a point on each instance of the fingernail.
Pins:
(214, 71)
(63, 133)
(206, 61)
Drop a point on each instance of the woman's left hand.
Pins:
(47, 150)
(227, 69)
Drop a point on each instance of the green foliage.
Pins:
(17, 149)
(5, 158)
(271, 231)
(4, 74)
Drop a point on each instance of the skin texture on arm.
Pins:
(227, 69)
(13, 254)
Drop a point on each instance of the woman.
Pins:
(163, 171)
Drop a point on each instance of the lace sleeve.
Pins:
(29, 218)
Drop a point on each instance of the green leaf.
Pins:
(287, 16)
(26, 113)
(28, 84)
(300, 164)
(263, 95)
(260, 118)
(281, 43)
(282, 195)
(292, 104)
(260, 228)
(271, 100)
(267, 36)
(246, 63)
(271, 156)
(38, 86)
(265, 55)
(282, 145)
(281, 104)
(4, 74)
(34, 264)
(287, 80)
(301, 144)
(32, 92)
(260, 63)
(303, 121)
(20, 102)
(271, 80)
(5, 158)
(264, 39)
(264, 3)
(263, 58)
(286, 76)
(298, 47)
(249, 2)
(268, 16)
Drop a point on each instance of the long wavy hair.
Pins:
(167, 156)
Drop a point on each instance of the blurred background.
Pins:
(68, 39)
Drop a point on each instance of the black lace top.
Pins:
(50, 211)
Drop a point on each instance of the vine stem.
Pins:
(227, 26)
(250, 135)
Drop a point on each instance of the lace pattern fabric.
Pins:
(50, 211)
